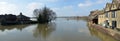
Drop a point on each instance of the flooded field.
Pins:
(60, 30)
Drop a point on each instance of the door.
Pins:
(114, 24)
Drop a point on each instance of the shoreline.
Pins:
(107, 31)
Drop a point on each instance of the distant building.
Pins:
(8, 17)
(22, 17)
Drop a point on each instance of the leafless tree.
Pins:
(44, 15)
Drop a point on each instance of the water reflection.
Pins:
(100, 35)
(18, 27)
(44, 30)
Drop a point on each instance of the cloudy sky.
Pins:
(61, 7)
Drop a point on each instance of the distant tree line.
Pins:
(44, 15)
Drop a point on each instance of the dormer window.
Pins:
(113, 5)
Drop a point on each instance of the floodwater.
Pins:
(60, 30)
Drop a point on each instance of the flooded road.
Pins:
(60, 30)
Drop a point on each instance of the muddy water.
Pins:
(59, 30)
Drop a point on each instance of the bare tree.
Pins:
(44, 15)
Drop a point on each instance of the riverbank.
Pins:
(107, 31)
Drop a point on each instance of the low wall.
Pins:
(107, 31)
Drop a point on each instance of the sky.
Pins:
(61, 7)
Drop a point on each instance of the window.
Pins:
(102, 16)
(113, 14)
(107, 15)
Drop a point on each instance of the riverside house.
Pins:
(111, 14)
(94, 15)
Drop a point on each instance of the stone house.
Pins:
(95, 14)
(111, 14)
